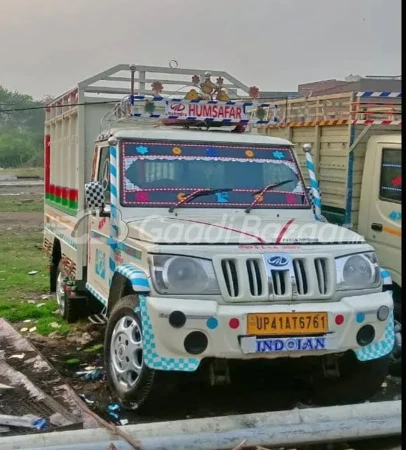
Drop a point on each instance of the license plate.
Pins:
(252, 344)
(287, 324)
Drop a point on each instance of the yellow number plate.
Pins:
(287, 323)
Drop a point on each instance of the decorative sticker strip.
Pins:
(152, 359)
(151, 174)
(196, 150)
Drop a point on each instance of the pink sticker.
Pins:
(291, 198)
(397, 181)
(141, 197)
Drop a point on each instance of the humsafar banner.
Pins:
(206, 110)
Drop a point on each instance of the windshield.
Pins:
(160, 174)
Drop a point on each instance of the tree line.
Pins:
(21, 132)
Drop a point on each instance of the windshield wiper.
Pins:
(197, 193)
(267, 188)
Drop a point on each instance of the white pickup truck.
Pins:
(200, 243)
(357, 158)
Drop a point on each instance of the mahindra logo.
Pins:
(178, 107)
(278, 261)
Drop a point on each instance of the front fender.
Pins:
(385, 345)
(395, 276)
(138, 277)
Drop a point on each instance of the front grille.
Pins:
(322, 275)
(246, 279)
(302, 285)
(280, 280)
(254, 277)
(230, 277)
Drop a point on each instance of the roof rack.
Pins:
(357, 108)
(206, 104)
(200, 111)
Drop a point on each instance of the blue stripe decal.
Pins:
(61, 236)
(113, 211)
(131, 251)
(151, 358)
(138, 278)
(96, 294)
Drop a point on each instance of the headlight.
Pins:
(359, 271)
(182, 275)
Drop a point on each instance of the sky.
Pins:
(47, 46)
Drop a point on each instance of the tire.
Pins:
(396, 355)
(123, 351)
(71, 309)
(358, 381)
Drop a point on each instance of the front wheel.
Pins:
(127, 375)
(358, 381)
(396, 355)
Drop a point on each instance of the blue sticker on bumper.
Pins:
(151, 358)
(382, 347)
(253, 344)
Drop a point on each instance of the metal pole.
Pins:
(380, 414)
(307, 148)
(132, 69)
(302, 434)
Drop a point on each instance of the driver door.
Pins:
(99, 250)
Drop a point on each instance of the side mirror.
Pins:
(95, 199)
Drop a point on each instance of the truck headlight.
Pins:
(358, 271)
(183, 275)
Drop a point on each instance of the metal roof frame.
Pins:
(102, 83)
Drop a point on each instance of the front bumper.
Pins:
(223, 341)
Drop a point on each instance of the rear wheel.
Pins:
(70, 308)
(358, 381)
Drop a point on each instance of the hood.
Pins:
(239, 230)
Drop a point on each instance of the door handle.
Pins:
(377, 226)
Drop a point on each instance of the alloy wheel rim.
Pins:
(60, 294)
(126, 348)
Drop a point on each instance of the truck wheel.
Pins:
(396, 355)
(358, 381)
(127, 375)
(69, 308)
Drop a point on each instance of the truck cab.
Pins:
(381, 202)
(202, 246)
(222, 258)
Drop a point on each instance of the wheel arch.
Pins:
(127, 280)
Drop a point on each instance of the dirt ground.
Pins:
(18, 197)
(18, 222)
(268, 389)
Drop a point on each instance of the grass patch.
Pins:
(17, 311)
(21, 254)
(20, 204)
(20, 292)
(45, 326)
(42, 317)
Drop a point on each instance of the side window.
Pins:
(103, 173)
(390, 189)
